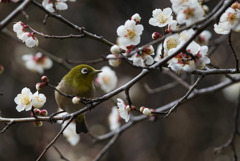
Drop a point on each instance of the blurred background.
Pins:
(190, 133)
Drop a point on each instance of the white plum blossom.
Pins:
(124, 110)
(129, 33)
(107, 79)
(70, 133)
(171, 42)
(178, 5)
(24, 100)
(161, 18)
(144, 58)
(114, 119)
(229, 20)
(60, 5)
(38, 100)
(190, 13)
(37, 63)
(194, 58)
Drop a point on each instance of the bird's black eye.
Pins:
(84, 71)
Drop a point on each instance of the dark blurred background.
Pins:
(190, 133)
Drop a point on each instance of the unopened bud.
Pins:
(115, 49)
(44, 112)
(113, 61)
(76, 100)
(156, 35)
(45, 79)
(146, 111)
(149, 50)
(36, 111)
(37, 123)
(136, 17)
(141, 109)
(1, 69)
(40, 86)
(128, 108)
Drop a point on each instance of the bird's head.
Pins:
(83, 74)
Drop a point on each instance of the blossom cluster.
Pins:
(229, 20)
(26, 100)
(27, 37)
(59, 4)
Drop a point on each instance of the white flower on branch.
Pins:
(124, 110)
(229, 20)
(129, 33)
(37, 63)
(144, 58)
(161, 18)
(38, 100)
(60, 5)
(114, 119)
(24, 100)
(189, 12)
(194, 58)
(107, 79)
(70, 133)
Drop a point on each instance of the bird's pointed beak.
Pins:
(96, 71)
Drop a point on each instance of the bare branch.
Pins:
(106, 147)
(13, 14)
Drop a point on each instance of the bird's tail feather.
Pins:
(81, 124)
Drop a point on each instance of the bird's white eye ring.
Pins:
(84, 71)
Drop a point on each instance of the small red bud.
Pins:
(44, 112)
(40, 86)
(36, 111)
(45, 79)
(156, 35)
(37, 123)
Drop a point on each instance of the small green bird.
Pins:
(77, 82)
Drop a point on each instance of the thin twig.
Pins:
(13, 14)
(10, 123)
(234, 53)
(184, 98)
(61, 155)
(106, 147)
(54, 140)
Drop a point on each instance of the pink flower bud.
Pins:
(43, 112)
(36, 111)
(40, 86)
(156, 35)
(45, 79)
